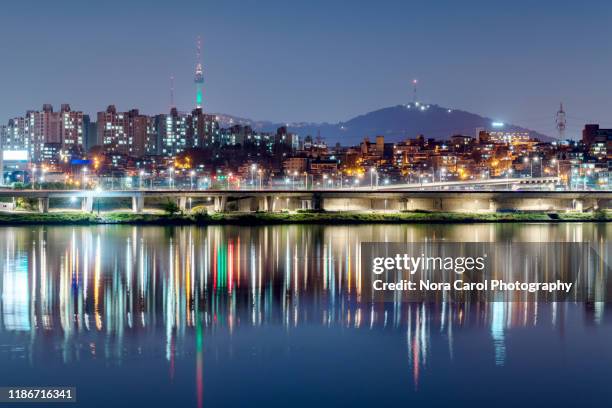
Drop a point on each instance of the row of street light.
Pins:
(257, 174)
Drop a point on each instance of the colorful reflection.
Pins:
(84, 291)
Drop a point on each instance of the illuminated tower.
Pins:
(199, 75)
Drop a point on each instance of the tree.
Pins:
(171, 207)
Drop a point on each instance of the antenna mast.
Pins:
(199, 50)
(172, 106)
(561, 122)
(414, 90)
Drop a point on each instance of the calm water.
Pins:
(277, 316)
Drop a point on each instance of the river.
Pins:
(277, 316)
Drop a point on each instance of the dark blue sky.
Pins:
(313, 60)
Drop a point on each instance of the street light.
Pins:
(253, 169)
(33, 178)
(259, 174)
(553, 162)
(530, 161)
(372, 171)
(574, 179)
(84, 175)
(140, 174)
(170, 177)
(508, 174)
(585, 178)
(191, 175)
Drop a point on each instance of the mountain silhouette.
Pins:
(395, 123)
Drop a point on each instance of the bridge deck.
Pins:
(288, 192)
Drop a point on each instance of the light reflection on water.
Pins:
(117, 293)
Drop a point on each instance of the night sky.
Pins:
(313, 60)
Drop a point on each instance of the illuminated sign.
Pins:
(76, 162)
(497, 124)
(15, 155)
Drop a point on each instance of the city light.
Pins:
(240, 157)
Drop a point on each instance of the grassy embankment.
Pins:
(296, 218)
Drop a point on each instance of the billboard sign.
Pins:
(15, 155)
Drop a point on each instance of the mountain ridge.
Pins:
(394, 122)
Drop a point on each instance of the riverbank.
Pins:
(264, 218)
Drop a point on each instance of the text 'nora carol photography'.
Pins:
(480, 271)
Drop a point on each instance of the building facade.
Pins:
(173, 131)
(125, 133)
(598, 144)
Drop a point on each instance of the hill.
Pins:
(395, 123)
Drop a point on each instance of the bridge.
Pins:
(329, 200)
(503, 183)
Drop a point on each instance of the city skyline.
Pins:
(330, 64)
(66, 142)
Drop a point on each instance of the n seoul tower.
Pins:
(199, 75)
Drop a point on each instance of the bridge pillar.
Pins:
(220, 203)
(317, 202)
(137, 203)
(182, 203)
(260, 204)
(269, 203)
(579, 205)
(492, 205)
(87, 204)
(254, 204)
(43, 205)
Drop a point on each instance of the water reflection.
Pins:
(82, 292)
